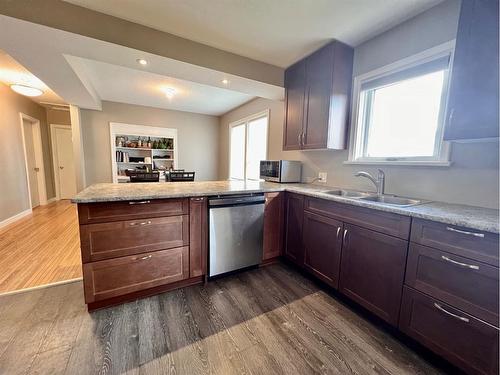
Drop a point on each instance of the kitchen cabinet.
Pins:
(473, 98)
(322, 238)
(465, 341)
(372, 270)
(294, 211)
(318, 90)
(198, 236)
(273, 225)
(295, 81)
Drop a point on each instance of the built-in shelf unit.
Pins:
(140, 147)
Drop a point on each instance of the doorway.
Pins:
(35, 172)
(63, 160)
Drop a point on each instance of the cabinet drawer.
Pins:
(466, 284)
(465, 341)
(469, 243)
(119, 276)
(117, 211)
(120, 238)
(384, 222)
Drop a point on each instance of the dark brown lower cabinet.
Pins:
(465, 341)
(294, 208)
(467, 284)
(322, 237)
(372, 270)
(198, 236)
(273, 225)
(119, 276)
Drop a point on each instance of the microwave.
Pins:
(280, 170)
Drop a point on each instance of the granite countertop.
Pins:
(484, 219)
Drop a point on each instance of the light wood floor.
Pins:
(41, 248)
(270, 320)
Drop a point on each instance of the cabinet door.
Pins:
(372, 270)
(198, 236)
(322, 238)
(295, 79)
(473, 101)
(319, 77)
(273, 225)
(294, 249)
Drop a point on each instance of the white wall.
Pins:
(473, 177)
(197, 138)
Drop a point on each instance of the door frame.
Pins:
(38, 149)
(53, 142)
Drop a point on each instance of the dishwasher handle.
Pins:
(231, 201)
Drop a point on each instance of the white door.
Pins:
(33, 169)
(66, 178)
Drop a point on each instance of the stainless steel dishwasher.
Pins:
(236, 232)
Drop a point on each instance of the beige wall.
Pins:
(197, 138)
(58, 117)
(472, 179)
(13, 188)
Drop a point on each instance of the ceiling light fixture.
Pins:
(169, 92)
(142, 62)
(26, 90)
(225, 81)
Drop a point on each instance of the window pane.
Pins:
(237, 152)
(404, 117)
(257, 146)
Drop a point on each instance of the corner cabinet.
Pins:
(474, 97)
(318, 90)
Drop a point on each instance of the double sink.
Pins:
(386, 199)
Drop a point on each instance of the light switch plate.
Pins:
(322, 177)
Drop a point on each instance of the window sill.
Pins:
(401, 163)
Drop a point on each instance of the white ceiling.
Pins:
(11, 72)
(136, 86)
(278, 32)
(83, 71)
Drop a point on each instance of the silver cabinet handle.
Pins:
(345, 234)
(338, 232)
(440, 308)
(481, 235)
(141, 223)
(471, 266)
(197, 199)
(299, 137)
(139, 202)
(147, 257)
(303, 137)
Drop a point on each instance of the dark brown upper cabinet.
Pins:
(318, 91)
(473, 99)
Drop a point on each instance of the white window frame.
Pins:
(358, 132)
(245, 121)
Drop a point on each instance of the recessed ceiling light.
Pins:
(26, 90)
(225, 81)
(169, 92)
(142, 62)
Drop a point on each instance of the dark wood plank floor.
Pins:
(270, 320)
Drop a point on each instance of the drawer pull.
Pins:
(139, 202)
(480, 235)
(141, 223)
(440, 308)
(471, 266)
(345, 233)
(147, 257)
(338, 232)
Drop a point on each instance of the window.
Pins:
(399, 112)
(247, 146)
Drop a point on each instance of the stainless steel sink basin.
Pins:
(392, 200)
(349, 193)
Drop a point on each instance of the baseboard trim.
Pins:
(16, 217)
(41, 286)
(51, 200)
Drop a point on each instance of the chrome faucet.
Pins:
(379, 182)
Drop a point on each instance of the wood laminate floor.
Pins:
(41, 248)
(270, 320)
